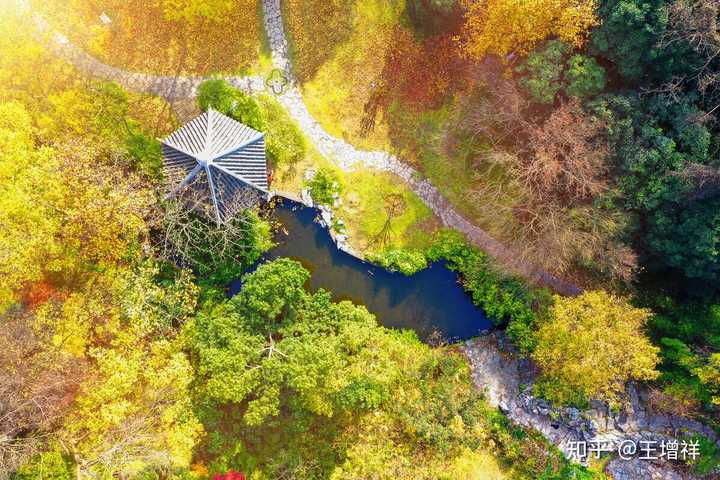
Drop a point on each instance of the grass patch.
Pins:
(364, 208)
(363, 193)
(453, 163)
(337, 94)
(155, 37)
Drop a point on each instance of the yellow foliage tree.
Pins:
(27, 227)
(136, 411)
(503, 27)
(592, 345)
(61, 210)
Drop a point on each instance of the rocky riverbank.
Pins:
(507, 380)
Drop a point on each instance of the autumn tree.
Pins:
(559, 167)
(38, 383)
(505, 27)
(569, 156)
(591, 346)
(190, 11)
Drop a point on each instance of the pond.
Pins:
(432, 302)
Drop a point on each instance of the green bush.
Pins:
(230, 101)
(324, 186)
(400, 260)
(542, 71)
(584, 77)
(548, 71)
(708, 460)
(506, 300)
(146, 152)
(284, 140)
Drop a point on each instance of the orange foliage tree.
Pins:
(504, 27)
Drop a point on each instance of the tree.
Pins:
(561, 166)
(58, 212)
(38, 384)
(50, 465)
(219, 253)
(551, 69)
(135, 412)
(324, 186)
(284, 140)
(584, 77)
(542, 71)
(591, 345)
(291, 382)
(230, 101)
(431, 18)
(569, 156)
(420, 73)
(709, 375)
(630, 36)
(504, 27)
(688, 238)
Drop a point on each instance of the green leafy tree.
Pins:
(230, 101)
(146, 152)
(324, 186)
(687, 237)
(629, 35)
(550, 70)
(284, 141)
(289, 381)
(542, 71)
(584, 77)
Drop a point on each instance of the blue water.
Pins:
(431, 302)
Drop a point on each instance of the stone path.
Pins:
(506, 380)
(174, 89)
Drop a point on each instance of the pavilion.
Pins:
(217, 165)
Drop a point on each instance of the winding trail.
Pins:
(174, 89)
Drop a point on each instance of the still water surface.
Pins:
(430, 302)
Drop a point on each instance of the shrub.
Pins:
(230, 101)
(542, 71)
(584, 77)
(400, 260)
(284, 140)
(323, 187)
(146, 152)
(548, 71)
(506, 300)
